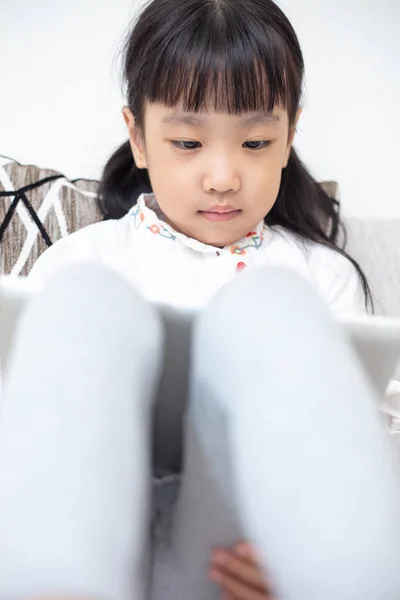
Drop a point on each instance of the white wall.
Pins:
(60, 100)
(350, 129)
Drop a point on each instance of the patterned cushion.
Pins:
(39, 206)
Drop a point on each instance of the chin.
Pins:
(220, 242)
(217, 236)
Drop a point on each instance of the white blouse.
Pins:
(169, 267)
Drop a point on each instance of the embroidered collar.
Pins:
(147, 214)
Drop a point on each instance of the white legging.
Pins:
(283, 446)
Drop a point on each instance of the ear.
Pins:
(292, 133)
(135, 138)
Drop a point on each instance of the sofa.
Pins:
(38, 206)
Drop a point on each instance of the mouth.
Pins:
(220, 214)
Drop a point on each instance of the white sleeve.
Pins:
(93, 244)
(338, 281)
(55, 257)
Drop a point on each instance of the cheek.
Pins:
(170, 186)
(266, 174)
(264, 183)
(168, 180)
(168, 174)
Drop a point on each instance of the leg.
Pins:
(316, 479)
(74, 449)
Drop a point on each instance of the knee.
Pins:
(88, 315)
(92, 296)
(258, 303)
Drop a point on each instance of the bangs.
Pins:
(226, 67)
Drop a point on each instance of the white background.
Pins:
(60, 94)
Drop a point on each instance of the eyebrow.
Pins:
(197, 121)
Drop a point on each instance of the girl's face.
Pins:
(215, 176)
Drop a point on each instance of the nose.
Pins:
(221, 176)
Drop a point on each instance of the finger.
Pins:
(236, 589)
(241, 570)
(247, 552)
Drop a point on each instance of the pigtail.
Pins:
(304, 208)
(121, 184)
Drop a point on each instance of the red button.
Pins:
(241, 266)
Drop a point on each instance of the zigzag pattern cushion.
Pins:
(38, 207)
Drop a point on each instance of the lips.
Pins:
(220, 213)
(221, 209)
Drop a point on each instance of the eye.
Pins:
(256, 145)
(186, 145)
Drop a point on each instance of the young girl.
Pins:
(209, 184)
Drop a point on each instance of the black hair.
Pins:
(234, 56)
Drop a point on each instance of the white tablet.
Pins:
(376, 339)
(15, 293)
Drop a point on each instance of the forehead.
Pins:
(173, 117)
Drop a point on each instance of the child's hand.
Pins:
(238, 574)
